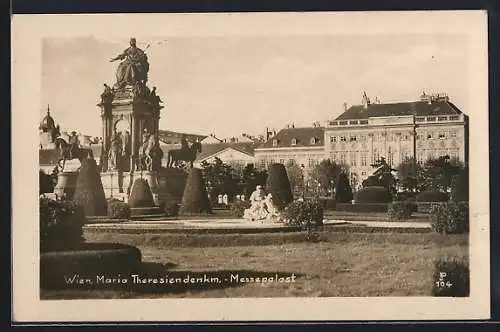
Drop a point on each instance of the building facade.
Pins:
(428, 128)
(303, 146)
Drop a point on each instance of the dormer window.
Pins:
(275, 142)
(313, 140)
(294, 141)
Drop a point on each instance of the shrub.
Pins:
(307, 214)
(61, 224)
(451, 278)
(405, 196)
(343, 191)
(450, 218)
(432, 196)
(141, 195)
(401, 210)
(238, 208)
(170, 208)
(279, 186)
(363, 207)
(195, 199)
(118, 209)
(89, 192)
(460, 186)
(373, 195)
(328, 203)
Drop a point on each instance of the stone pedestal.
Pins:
(116, 184)
(66, 184)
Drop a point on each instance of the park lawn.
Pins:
(371, 216)
(343, 264)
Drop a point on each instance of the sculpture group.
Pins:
(262, 207)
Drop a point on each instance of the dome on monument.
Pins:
(48, 122)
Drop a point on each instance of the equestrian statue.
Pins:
(70, 150)
(185, 153)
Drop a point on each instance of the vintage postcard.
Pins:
(258, 167)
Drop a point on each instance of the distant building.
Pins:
(364, 133)
(211, 139)
(303, 146)
(234, 154)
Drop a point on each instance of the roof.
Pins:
(302, 138)
(173, 137)
(421, 108)
(208, 150)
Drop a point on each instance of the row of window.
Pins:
(294, 141)
(417, 119)
(394, 136)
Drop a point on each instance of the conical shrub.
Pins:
(279, 186)
(89, 192)
(343, 191)
(195, 199)
(141, 195)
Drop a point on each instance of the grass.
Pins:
(341, 264)
(371, 216)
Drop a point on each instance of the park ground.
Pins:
(342, 263)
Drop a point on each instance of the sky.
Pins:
(235, 84)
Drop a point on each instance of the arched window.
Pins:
(294, 141)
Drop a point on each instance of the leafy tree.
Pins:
(219, 178)
(343, 191)
(460, 186)
(325, 173)
(439, 172)
(295, 176)
(410, 175)
(252, 177)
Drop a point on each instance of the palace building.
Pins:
(427, 128)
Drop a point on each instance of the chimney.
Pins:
(345, 106)
(365, 101)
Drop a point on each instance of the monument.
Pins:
(130, 114)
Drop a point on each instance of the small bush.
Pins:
(171, 208)
(61, 224)
(400, 211)
(141, 195)
(373, 195)
(363, 207)
(451, 278)
(432, 196)
(328, 203)
(46, 184)
(450, 218)
(307, 214)
(238, 208)
(279, 186)
(118, 209)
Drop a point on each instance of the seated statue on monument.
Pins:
(134, 67)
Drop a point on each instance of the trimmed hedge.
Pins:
(450, 218)
(118, 209)
(373, 195)
(279, 186)
(400, 211)
(61, 224)
(238, 208)
(195, 199)
(328, 203)
(89, 192)
(451, 278)
(141, 195)
(363, 207)
(432, 196)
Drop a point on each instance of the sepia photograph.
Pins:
(245, 157)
